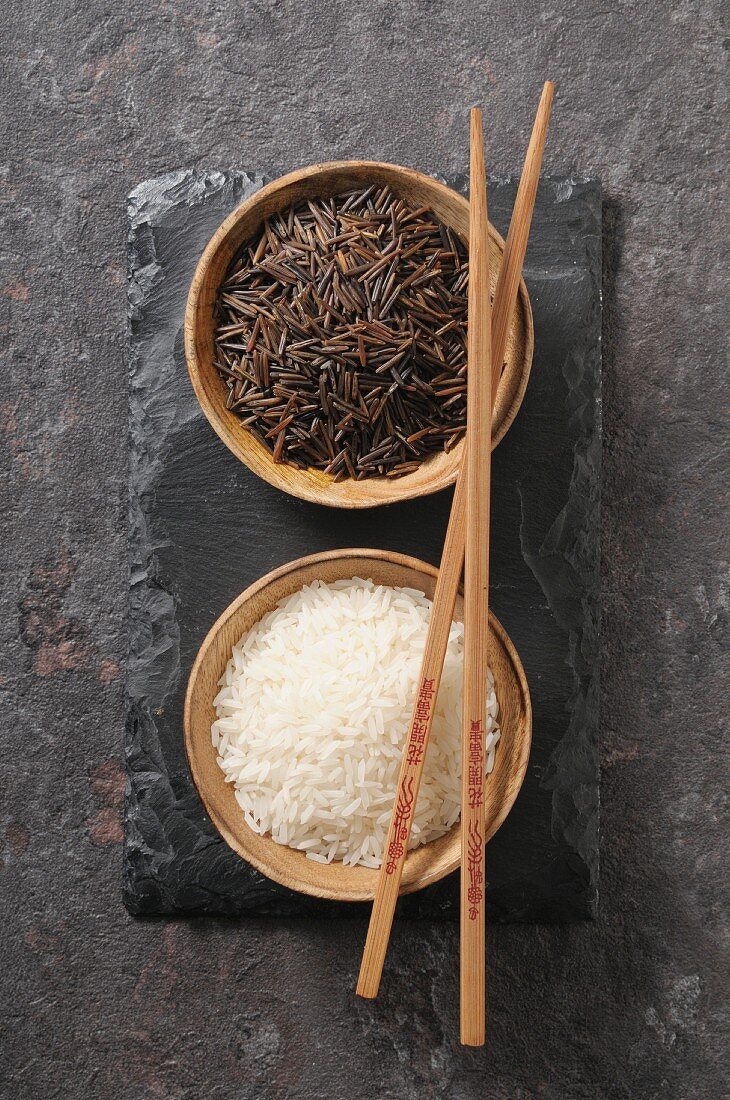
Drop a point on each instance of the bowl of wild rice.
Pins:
(325, 334)
(297, 711)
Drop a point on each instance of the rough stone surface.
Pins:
(202, 528)
(98, 96)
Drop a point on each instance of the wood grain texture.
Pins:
(284, 865)
(439, 470)
(476, 601)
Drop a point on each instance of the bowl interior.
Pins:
(321, 181)
(284, 865)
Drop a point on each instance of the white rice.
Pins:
(313, 713)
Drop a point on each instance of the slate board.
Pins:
(202, 527)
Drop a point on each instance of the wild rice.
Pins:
(341, 335)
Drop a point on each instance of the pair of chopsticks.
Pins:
(467, 542)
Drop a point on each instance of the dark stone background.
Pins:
(99, 95)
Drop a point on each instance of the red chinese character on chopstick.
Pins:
(415, 754)
(423, 703)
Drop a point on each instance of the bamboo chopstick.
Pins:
(409, 779)
(476, 599)
(518, 233)
(447, 585)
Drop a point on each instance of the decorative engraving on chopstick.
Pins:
(419, 726)
(475, 892)
(401, 828)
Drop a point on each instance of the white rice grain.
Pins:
(313, 713)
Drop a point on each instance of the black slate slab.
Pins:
(202, 527)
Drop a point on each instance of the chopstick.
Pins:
(515, 246)
(437, 637)
(447, 584)
(476, 600)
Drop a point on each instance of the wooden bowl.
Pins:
(322, 180)
(291, 868)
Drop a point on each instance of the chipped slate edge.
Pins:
(150, 802)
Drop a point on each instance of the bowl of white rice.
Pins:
(297, 710)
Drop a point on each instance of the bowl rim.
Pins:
(292, 480)
(437, 872)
